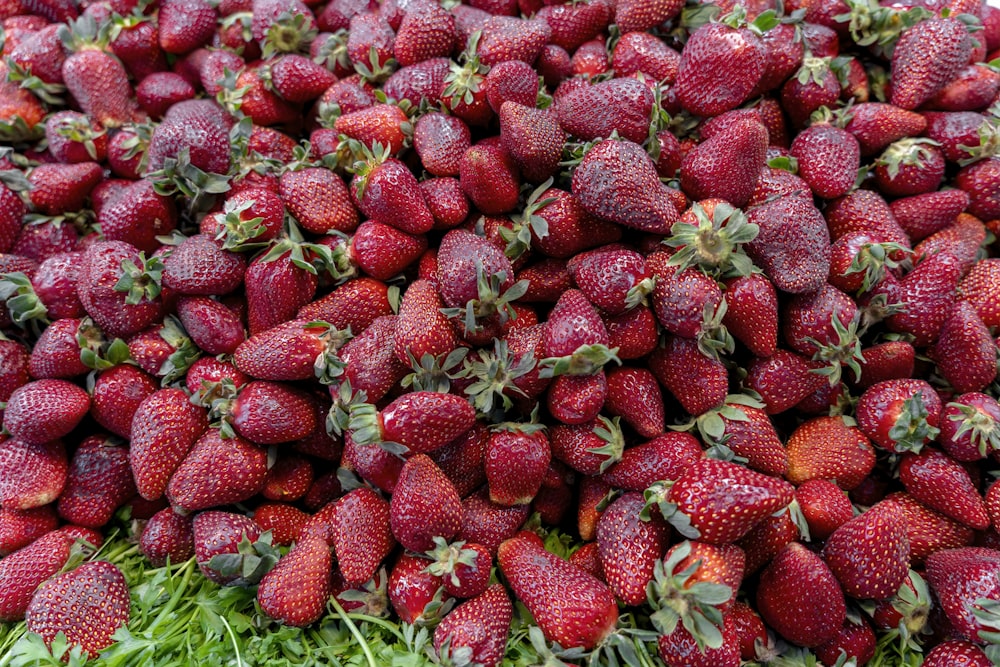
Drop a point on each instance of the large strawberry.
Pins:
(165, 427)
(926, 58)
(296, 590)
(87, 605)
(870, 554)
(571, 606)
(967, 583)
(424, 505)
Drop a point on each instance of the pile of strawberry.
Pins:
(349, 301)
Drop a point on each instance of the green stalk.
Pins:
(354, 631)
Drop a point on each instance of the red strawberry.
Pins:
(720, 66)
(727, 164)
(420, 421)
(641, 16)
(440, 141)
(217, 471)
(682, 645)
(19, 528)
(98, 483)
(926, 58)
(24, 570)
(642, 52)
(45, 410)
(211, 325)
(508, 38)
(965, 352)
(828, 159)
(62, 188)
(752, 313)
(424, 505)
(807, 620)
(480, 626)
(633, 197)
(269, 413)
(825, 507)
(97, 80)
(295, 592)
(965, 580)
(464, 568)
(941, 483)
(740, 427)
(956, 652)
(899, 415)
(928, 531)
(594, 112)
(783, 380)
(705, 492)
(876, 125)
(387, 192)
(164, 428)
(87, 605)
(870, 554)
(360, 534)
(634, 395)
(570, 606)
(969, 427)
(120, 288)
(698, 382)
(909, 167)
(416, 595)
(167, 535)
(34, 475)
(533, 139)
(319, 200)
(295, 350)
(184, 25)
(630, 545)
(516, 459)
(663, 457)
(138, 216)
(796, 262)
(217, 539)
(426, 32)
(199, 266)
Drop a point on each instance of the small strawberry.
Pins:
(516, 459)
(464, 568)
(965, 352)
(476, 629)
(698, 382)
(229, 548)
(828, 159)
(876, 125)
(635, 396)
(417, 596)
(120, 288)
(167, 535)
(926, 58)
(486, 523)
(956, 652)
(969, 427)
(200, 266)
(296, 590)
(87, 605)
(783, 380)
(571, 607)
(23, 571)
(807, 620)
(752, 313)
(621, 105)
(20, 528)
(34, 475)
(419, 421)
(663, 457)
(909, 167)
(942, 484)
(740, 427)
(829, 448)
(268, 413)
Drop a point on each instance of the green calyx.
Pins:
(328, 366)
(235, 232)
(25, 308)
(872, 260)
(879, 27)
(844, 351)
(714, 243)
(465, 78)
(813, 70)
(910, 152)
(983, 431)
(289, 33)
(711, 424)
(713, 336)
(911, 431)
(179, 176)
(432, 373)
(989, 141)
(250, 563)
(585, 360)
(370, 160)
(528, 223)
(96, 352)
(676, 597)
(375, 70)
(491, 300)
(610, 432)
(140, 281)
(447, 557)
(495, 376)
(185, 351)
(50, 93)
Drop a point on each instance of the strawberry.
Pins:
(829, 448)
(370, 363)
(796, 263)
(976, 287)
(516, 459)
(508, 38)
(642, 52)
(426, 32)
(942, 484)
(212, 326)
(417, 596)
(96, 79)
(825, 507)
(698, 382)
(965, 583)
(572, 26)
(194, 132)
(740, 427)
(268, 413)
(965, 352)
(87, 605)
(218, 537)
(386, 191)
(926, 58)
(696, 501)
(286, 522)
(899, 415)
(478, 627)
(360, 534)
(488, 524)
(909, 167)
(783, 380)
(60, 188)
(424, 505)
(727, 164)
(870, 554)
(752, 313)
(634, 395)
(120, 288)
(856, 640)
(296, 78)
(19, 528)
(45, 410)
(217, 471)
(663, 457)
(876, 125)
(927, 530)
(630, 545)
(167, 536)
(570, 606)
(807, 620)
(164, 428)
(294, 350)
(419, 421)
(184, 25)
(828, 159)
(295, 592)
(631, 16)
(378, 123)
(421, 328)
(199, 266)
(289, 478)
(99, 481)
(956, 652)
(464, 568)
(682, 645)
(813, 86)
(138, 216)
(354, 304)
(533, 139)
(34, 474)
(927, 295)
(979, 180)
(721, 64)
(158, 91)
(593, 112)
(633, 197)
(25, 569)
(968, 426)
(440, 141)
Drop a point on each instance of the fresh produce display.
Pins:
(505, 332)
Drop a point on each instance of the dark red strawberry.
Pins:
(963, 579)
(19, 528)
(727, 164)
(217, 471)
(34, 475)
(424, 505)
(630, 545)
(899, 415)
(926, 58)
(942, 484)
(98, 483)
(480, 625)
(167, 535)
(164, 428)
(296, 590)
(796, 262)
(870, 554)
(44, 410)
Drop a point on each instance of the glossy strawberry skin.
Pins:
(481, 623)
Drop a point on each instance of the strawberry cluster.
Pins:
(350, 301)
